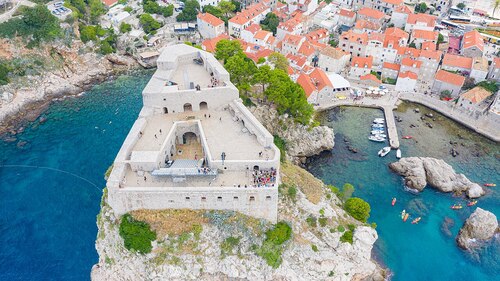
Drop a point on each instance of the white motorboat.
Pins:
(376, 138)
(376, 132)
(378, 119)
(384, 151)
(398, 153)
(378, 126)
(379, 122)
(381, 135)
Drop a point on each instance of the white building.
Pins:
(195, 145)
(494, 71)
(475, 100)
(360, 66)
(209, 25)
(254, 13)
(407, 81)
(203, 3)
(333, 59)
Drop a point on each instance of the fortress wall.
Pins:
(256, 202)
(252, 124)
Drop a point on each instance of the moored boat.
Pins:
(381, 126)
(415, 221)
(471, 203)
(375, 132)
(456, 206)
(376, 138)
(380, 135)
(398, 153)
(384, 151)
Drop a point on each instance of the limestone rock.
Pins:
(479, 227)
(301, 140)
(420, 171)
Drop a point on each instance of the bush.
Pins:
(261, 60)
(125, 27)
(490, 86)
(322, 221)
(229, 244)
(358, 208)
(281, 144)
(137, 235)
(340, 228)
(347, 191)
(314, 248)
(292, 192)
(311, 221)
(4, 72)
(347, 237)
(271, 248)
(445, 94)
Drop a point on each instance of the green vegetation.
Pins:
(148, 23)
(461, 6)
(421, 7)
(261, 60)
(334, 43)
(440, 39)
(490, 86)
(125, 27)
(104, 38)
(314, 248)
(445, 94)
(223, 10)
(4, 74)
(228, 245)
(286, 95)
(340, 228)
(88, 11)
(152, 7)
(357, 208)
(412, 45)
(272, 247)
(128, 9)
(376, 74)
(347, 191)
(322, 221)
(190, 11)
(37, 24)
(347, 237)
(281, 144)
(137, 235)
(270, 23)
(390, 81)
(312, 221)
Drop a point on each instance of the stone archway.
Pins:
(165, 110)
(203, 105)
(188, 107)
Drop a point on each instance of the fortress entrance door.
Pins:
(188, 107)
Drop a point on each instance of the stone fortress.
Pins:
(195, 145)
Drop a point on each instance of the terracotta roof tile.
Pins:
(457, 61)
(210, 19)
(408, 74)
(476, 95)
(411, 63)
(305, 82)
(392, 66)
(450, 78)
(347, 13)
(248, 14)
(364, 24)
(473, 38)
(210, 44)
(403, 9)
(425, 34)
(393, 2)
(429, 20)
(435, 55)
(362, 62)
(371, 13)
(370, 77)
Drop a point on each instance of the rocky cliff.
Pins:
(185, 252)
(420, 171)
(68, 71)
(477, 229)
(301, 141)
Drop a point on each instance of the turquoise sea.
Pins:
(51, 177)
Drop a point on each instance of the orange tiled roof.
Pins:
(364, 24)
(317, 34)
(397, 32)
(450, 78)
(248, 14)
(375, 36)
(253, 28)
(425, 34)
(408, 74)
(305, 82)
(320, 79)
(496, 62)
(332, 52)
(262, 53)
(210, 19)
(370, 77)
(408, 51)
(428, 45)
(292, 39)
(306, 49)
(109, 3)
(473, 38)
(403, 9)
(298, 60)
(393, 2)
(352, 36)
(435, 55)
(347, 13)
(291, 24)
(371, 13)
(210, 44)
(392, 66)
(429, 20)
(457, 61)
(476, 94)
(411, 63)
(362, 62)
(261, 34)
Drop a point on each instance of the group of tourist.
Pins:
(264, 177)
(214, 82)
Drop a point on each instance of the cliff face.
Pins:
(67, 71)
(301, 140)
(180, 253)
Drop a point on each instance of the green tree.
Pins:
(137, 235)
(334, 43)
(358, 208)
(412, 45)
(226, 7)
(347, 191)
(242, 70)
(227, 48)
(421, 8)
(445, 94)
(213, 10)
(270, 22)
(262, 76)
(148, 23)
(128, 9)
(495, 7)
(96, 9)
(88, 33)
(440, 39)
(490, 86)
(4, 74)
(279, 61)
(42, 25)
(461, 6)
(190, 11)
(125, 27)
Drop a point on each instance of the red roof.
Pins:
(408, 74)
(109, 3)
(253, 28)
(305, 82)
(473, 38)
(347, 13)
(371, 13)
(392, 66)
(210, 19)
(364, 24)
(425, 34)
(411, 63)
(429, 20)
(262, 53)
(362, 62)
(320, 79)
(248, 14)
(393, 2)
(209, 44)
(370, 77)
(450, 78)
(402, 9)
(431, 54)
(457, 61)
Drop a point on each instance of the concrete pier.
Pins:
(392, 131)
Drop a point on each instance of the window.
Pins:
(268, 198)
(203, 198)
(252, 198)
(235, 198)
(187, 198)
(219, 198)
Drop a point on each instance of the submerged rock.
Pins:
(420, 171)
(447, 225)
(477, 229)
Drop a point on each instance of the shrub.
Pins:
(280, 233)
(314, 248)
(261, 60)
(490, 86)
(137, 235)
(341, 228)
(322, 221)
(311, 221)
(125, 27)
(358, 208)
(281, 144)
(347, 191)
(4, 72)
(445, 94)
(347, 237)
(271, 248)
(229, 244)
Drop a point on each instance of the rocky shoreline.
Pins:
(79, 72)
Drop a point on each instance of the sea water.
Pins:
(427, 250)
(51, 180)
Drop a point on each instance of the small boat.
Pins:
(379, 122)
(415, 221)
(456, 207)
(376, 138)
(471, 203)
(403, 214)
(384, 151)
(378, 126)
(490, 184)
(380, 135)
(398, 153)
(407, 137)
(393, 201)
(406, 217)
(375, 132)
